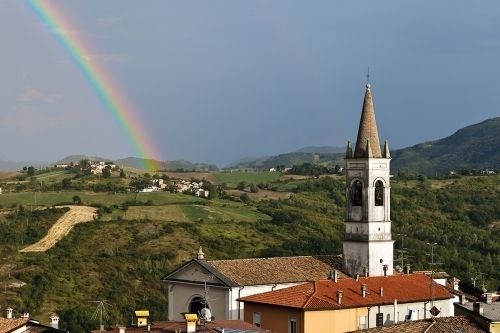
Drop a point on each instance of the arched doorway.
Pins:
(196, 304)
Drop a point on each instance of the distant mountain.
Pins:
(472, 147)
(15, 166)
(322, 150)
(291, 159)
(77, 158)
(138, 163)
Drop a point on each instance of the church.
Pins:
(227, 287)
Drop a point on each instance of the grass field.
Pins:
(88, 198)
(233, 178)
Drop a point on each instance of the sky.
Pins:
(215, 81)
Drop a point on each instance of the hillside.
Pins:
(473, 147)
(152, 233)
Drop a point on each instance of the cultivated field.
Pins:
(76, 215)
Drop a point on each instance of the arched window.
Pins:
(379, 193)
(197, 304)
(357, 193)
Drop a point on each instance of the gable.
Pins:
(195, 272)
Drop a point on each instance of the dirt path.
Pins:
(76, 215)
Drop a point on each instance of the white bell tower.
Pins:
(368, 245)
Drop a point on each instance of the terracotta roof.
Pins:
(230, 326)
(367, 131)
(255, 271)
(8, 325)
(322, 294)
(436, 325)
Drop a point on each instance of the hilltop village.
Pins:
(365, 288)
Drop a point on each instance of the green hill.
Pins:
(473, 147)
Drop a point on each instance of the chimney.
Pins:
(461, 299)
(381, 291)
(339, 297)
(363, 290)
(121, 329)
(191, 319)
(25, 315)
(477, 308)
(357, 277)
(149, 327)
(489, 298)
(455, 283)
(9, 313)
(54, 321)
(334, 275)
(201, 255)
(408, 269)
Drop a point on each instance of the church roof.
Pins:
(368, 133)
(260, 271)
(256, 271)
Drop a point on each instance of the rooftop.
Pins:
(490, 311)
(257, 271)
(229, 326)
(436, 325)
(322, 295)
(8, 325)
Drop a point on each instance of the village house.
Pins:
(347, 304)
(24, 324)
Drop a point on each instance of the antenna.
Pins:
(434, 311)
(368, 77)
(101, 311)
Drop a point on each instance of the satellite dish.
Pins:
(206, 314)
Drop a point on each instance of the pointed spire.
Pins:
(367, 129)
(348, 153)
(201, 255)
(387, 153)
(369, 152)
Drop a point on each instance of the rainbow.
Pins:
(101, 82)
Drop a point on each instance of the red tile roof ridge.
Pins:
(321, 294)
(274, 258)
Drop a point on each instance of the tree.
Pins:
(77, 200)
(106, 172)
(31, 171)
(244, 198)
(241, 185)
(122, 173)
(253, 188)
(66, 183)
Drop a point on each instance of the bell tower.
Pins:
(368, 245)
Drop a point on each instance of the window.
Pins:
(256, 319)
(379, 193)
(379, 319)
(357, 193)
(292, 325)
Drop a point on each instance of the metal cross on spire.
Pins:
(368, 77)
